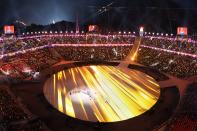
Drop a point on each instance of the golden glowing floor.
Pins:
(101, 93)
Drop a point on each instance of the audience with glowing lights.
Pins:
(180, 66)
(23, 57)
(171, 44)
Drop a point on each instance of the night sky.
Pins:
(123, 12)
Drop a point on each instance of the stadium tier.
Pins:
(32, 54)
(91, 81)
(98, 65)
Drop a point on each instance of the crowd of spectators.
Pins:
(13, 45)
(13, 114)
(176, 65)
(185, 118)
(171, 44)
(25, 65)
(31, 125)
(9, 110)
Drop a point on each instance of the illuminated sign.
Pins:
(182, 31)
(9, 29)
(93, 28)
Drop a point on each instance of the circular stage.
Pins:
(101, 93)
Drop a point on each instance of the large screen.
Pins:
(182, 31)
(93, 28)
(9, 29)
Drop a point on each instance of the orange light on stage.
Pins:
(9, 29)
(182, 31)
(102, 93)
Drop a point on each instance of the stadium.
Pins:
(61, 79)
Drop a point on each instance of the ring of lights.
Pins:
(104, 93)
